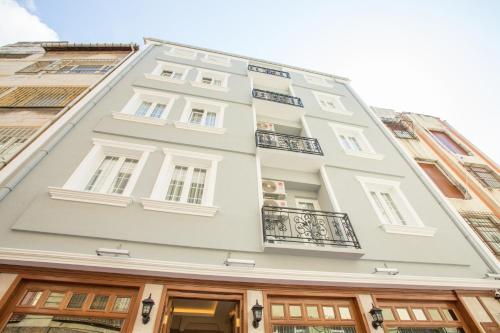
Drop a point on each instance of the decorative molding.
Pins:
(90, 197)
(192, 154)
(123, 145)
(164, 79)
(374, 156)
(229, 273)
(137, 119)
(288, 248)
(178, 207)
(226, 61)
(409, 230)
(209, 86)
(172, 52)
(200, 128)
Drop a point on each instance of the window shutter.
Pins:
(449, 143)
(441, 181)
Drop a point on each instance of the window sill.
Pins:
(342, 112)
(409, 230)
(90, 197)
(373, 156)
(178, 207)
(164, 79)
(326, 250)
(215, 130)
(137, 119)
(209, 86)
(183, 56)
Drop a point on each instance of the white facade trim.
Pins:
(165, 65)
(224, 77)
(231, 273)
(408, 230)
(199, 128)
(366, 151)
(137, 119)
(178, 207)
(207, 106)
(90, 197)
(336, 99)
(216, 59)
(182, 52)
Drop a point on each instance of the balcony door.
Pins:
(309, 204)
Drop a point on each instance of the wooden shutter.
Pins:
(40, 96)
(449, 143)
(444, 184)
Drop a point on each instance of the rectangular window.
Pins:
(187, 184)
(401, 128)
(176, 183)
(150, 109)
(203, 117)
(112, 175)
(99, 302)
(350, 143)
(487, 177)
(76, 301)
(197, 185)
(40, 96)
(448, 142)
(121, 304)
(442, 182)
(54, 300)
(196, 116)
(171, 74)
(486, 227)
(13, 139)
(387, 208)
(31, 298)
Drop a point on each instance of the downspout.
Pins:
(486, 255)
(64, 128)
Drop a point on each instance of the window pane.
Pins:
(54, 300)
(177, 76)
(217, 82)
(392, 206)
(99, 302)
(197, 186)
(450, 315)
(143, 109)
(210, 120)
(329, 312)
(388, 314)
(121, 304)
(345, 313)
(76, 301)
(403, 314)
(12, 140)
(344, 142)
(354, 144)
(277, 311)
(435, 315)
(196, 116)
(206, 80)
(312, 311)
(31, 297)
(99, 177)
(122, 178)
(69, 324)
(158, 111)
(419, 314)
(446, 186)
(176, 183)
(167, 73)
(381, 208)
(295, 311)
(448, 142)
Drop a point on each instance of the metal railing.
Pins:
(300, 144)
(269, 71)
(276, 97)
(294, 225)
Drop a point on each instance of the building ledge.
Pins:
(325, 250)
(409, 230)
(137, 119)
(178, 207)
(200, 128)
(90, 197)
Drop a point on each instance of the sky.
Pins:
(436, 57)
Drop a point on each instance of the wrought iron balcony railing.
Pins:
(269, 71)
(300, 144)
(278, 98)
(294, 225)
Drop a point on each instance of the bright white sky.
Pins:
(434, 57)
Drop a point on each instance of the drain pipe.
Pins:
(65, 126)
(485, 254)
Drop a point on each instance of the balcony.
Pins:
(269, 77)
(286, 151)
(277, 105)
(289, 228)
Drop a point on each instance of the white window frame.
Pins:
(315, 202)
(169, 66)
(207, 106)
(145, 95)
(414, 225)
(224, 77)
(337, 101)
(74, 188)
(220, 60)
(367, 150)
(176, 51)
(317, 80)
(174, 157)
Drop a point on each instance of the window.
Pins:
(444, 139)
(13, 139)
(170, 72)
(146, 106)
(353, 141)
(106, 175)
(400, 128)
(487, 177)
(447, 187)
(331, 103)
(35, 68)
(317, 80)
(392, 208)
(211, 80)
(216, 59)
(186, 184)
(181, 52)
(40, 96)
(486, 226)
(202, 115)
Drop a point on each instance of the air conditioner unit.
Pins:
(264, 126)
(275, 203)
(274, 188)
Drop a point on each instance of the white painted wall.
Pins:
(156, 291)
